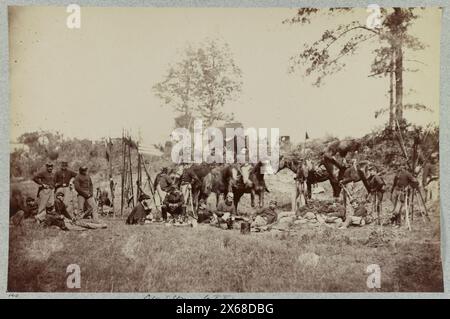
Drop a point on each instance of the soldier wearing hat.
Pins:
(63, 178)
(46, 181)
(266, 216)
(430, 177)
(85, 189)
(139, 212)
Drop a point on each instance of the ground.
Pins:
(157, 258)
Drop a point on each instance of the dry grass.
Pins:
(156, 258)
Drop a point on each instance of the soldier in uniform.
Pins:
(430, 178)
(225, 211)
(266, 216)
(63, 178)
(85, 189)
(46, 181)
(173, 204)
(139, 212)
(376, 189)
(403, 181)
(53, 217)
(162, 183)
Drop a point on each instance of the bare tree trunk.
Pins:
(391, 92)
(399, 82)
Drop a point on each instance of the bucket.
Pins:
(245, 228)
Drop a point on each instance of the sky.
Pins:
(95, 81)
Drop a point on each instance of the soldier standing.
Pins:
(85, 189)
(46, 181)
(430, 178)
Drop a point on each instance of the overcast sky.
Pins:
(95, 81)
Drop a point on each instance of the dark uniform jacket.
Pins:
(174, 200)
(137, 215)
(45, 178)
(376, 183)
(61, 209)
(62, 178)
(189, 177)
(164, 181)
(83, 185)
(269, 214)
(224, 208)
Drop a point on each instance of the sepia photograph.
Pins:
(224, 150)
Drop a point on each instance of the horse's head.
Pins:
(235, 174)
(281, 163)
(246, 171)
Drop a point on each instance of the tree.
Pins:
(220, 81)
(326, 55)
(201, 83)
(177, 89)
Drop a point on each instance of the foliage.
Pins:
(200, 83)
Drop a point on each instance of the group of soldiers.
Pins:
(176, 200)
(54, 195)
(404, 185)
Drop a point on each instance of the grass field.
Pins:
(157, 258)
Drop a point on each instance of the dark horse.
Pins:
(252, 183)
(304, 172)
(346, 174)
(220, 180)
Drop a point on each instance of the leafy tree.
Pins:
(200, 83)
(327, 54)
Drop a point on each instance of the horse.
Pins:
(346, 174)
(220, 180)
(252, 183)
(304, 171)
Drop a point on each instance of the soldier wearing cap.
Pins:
(403, 181)
(53, 218)
(162, 183)
(225, 211)
(139, 212)
(85, 189)
(376, 189)
(173, 204)
(46, 181)
(430, 178)
(60, 206)
(266, 216)
(63, 178)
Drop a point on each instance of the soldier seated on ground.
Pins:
(139, 212)
(225, 212)
(53, 218)
(265, 216)
(174, 205)
(31, 207)
(204, 214)
(104, 203)
(19, 212)
(60, 206)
